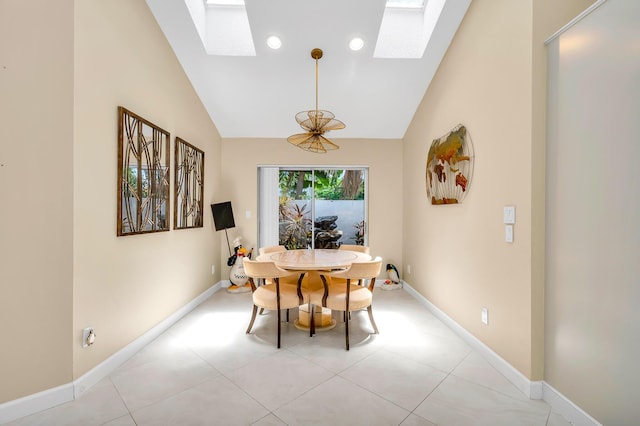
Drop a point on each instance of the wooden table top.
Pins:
(314, 259)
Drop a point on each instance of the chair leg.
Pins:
(347, 315)
(373, 323)
(287, 315)
(278, 307)
(279, 325)
(346, 331)
(261, 311)
(253, 318)
(312, 319)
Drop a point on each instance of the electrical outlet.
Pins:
(88, 337)
(213, 269)
(485, 316)
(409, 269)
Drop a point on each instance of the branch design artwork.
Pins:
(143, 175)
(189, 186)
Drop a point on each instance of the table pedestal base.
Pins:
(322, 318)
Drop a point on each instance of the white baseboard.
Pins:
(562, 405)
(51, 397)
(36, 402)
(533, 389)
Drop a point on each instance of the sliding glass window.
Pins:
(317, 207)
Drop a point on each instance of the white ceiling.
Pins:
(258, 96)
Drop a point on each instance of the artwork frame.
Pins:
(188, 201)
(449, 168)
(143, 175)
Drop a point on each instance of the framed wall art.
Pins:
(189, 186)
(143, 175)
(450, 167)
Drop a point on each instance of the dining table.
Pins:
(311, 263)
(314, 259)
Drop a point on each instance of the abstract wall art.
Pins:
(450, 167)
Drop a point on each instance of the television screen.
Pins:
(223, 215)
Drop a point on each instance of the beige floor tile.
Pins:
(340, 402)
(122, 421)
(414, 420)
(98, 405)
(269, 420)
(459, 402)
(278, 379)
(400, 380)
(217, 401)
(206, 370)
(153, 381)
(476, 369)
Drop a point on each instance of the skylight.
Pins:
(223, 26)
(405, 3)
(406, 28)
(225, 2)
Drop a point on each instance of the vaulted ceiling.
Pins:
(258, 96)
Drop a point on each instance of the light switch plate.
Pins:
(509, 215)
(508, 233)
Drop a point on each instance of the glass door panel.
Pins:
(321, 208)
(339, 207)
(295, 228)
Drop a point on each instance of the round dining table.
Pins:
(312, 262)
(314, 259)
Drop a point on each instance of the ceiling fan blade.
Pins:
(328, 145)
(299, 138)
(314, 144)
(333, 124)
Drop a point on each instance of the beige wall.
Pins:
(66, 68)
(36, 195)
(458, 257)
(383, 157)
(123, 286)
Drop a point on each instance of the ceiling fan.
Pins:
(316, 122)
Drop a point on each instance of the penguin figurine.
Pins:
(393, 274)
(394, 278)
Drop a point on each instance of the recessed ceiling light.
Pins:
(356, 44)
(274, 42)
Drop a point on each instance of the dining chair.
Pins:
(273, 296)
(354, 247)
(271, 249)
(349, 297)
(293, 279)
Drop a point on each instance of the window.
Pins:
(405, 3)
(316, 207)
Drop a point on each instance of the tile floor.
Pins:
(206, 371)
